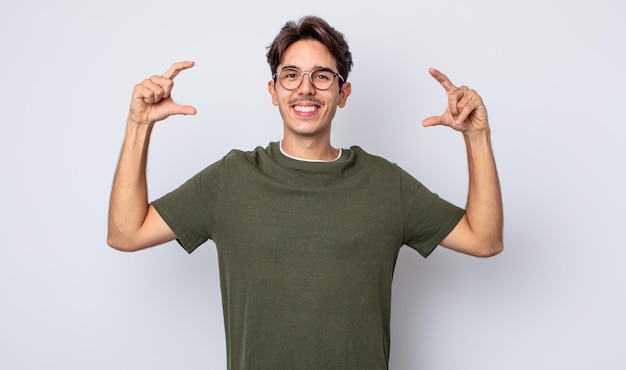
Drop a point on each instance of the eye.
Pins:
(323, 76)
(289, 75)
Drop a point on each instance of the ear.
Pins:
(346, 90)
(271, 88)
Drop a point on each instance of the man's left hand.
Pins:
(465, 112)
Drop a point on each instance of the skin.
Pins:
(134, 224)
(479, 233)
(307, 133)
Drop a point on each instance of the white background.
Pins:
(552, 76)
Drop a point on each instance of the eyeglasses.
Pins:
(321, 78)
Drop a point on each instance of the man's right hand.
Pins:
(152, 100)
(134, 224)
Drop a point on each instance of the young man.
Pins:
(307, 234)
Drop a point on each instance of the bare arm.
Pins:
(479, 233)
(133, 223)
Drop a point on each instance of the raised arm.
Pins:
(479, 233)
(133, 223)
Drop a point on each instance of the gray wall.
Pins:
(551, 73)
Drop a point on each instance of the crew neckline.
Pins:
(280, 146)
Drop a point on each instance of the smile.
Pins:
(305, 108)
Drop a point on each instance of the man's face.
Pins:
(307, 111)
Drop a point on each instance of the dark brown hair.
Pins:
(311, 28)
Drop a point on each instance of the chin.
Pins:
(307, 131)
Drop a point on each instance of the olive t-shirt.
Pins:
(306, 252)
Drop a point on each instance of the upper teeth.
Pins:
(308, 108)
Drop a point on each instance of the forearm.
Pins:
(484, 203)
(129, 195)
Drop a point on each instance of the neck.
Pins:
(309, 149)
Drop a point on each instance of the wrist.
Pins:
(137, 126)
(477, 133)
(130, 121)
(138, 133)
(478, 138)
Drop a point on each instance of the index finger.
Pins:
(442, 79)
(176, 68)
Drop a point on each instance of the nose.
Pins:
(306, 86)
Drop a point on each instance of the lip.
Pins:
(305, 109)
(305, 103)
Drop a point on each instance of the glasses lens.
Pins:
(290, 78)
(322, 79)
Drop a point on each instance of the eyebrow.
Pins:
(315, 68)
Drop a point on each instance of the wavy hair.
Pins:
(311, 28)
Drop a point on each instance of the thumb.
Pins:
(183, 109)
(433, 121)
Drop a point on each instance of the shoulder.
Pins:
(236, 158)
(238, 155)
(240, 163)
(370, 160)
(384, 167)
(233, 160)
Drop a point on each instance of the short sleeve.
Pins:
(189, 209)
(427, 218)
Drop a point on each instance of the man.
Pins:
(307, 234)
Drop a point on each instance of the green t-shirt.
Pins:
(306, 252)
